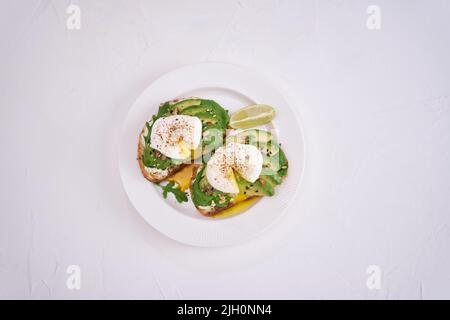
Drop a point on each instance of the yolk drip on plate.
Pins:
(237, 208)
(183, 177)
(241, 203)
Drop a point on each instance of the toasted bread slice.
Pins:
(217, 210)
(210, 212)
(153, 174)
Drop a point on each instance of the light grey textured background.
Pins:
(377, 127)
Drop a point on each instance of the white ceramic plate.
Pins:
(232, 87)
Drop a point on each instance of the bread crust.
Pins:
(148, 175)
(214, 212)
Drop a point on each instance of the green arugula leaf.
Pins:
(171, 188)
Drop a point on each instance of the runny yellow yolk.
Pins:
(237, 208)
(232, 178)
(183, 177)
(196, 153)
(241, 202)
(185, 151)
(240, 197)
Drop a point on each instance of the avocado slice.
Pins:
(214, 122)
(261, 139)
(267, 185)
(283, 164)
(209, 111)
(269, 149)
(169, 108)
(271, 165)
(184, 104)
(252, 136)
(261, 187)
(275, 178)
(275, 164)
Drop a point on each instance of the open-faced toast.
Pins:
(157, 167)
(210, 201)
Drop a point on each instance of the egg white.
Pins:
(245, 159)
(176, 136)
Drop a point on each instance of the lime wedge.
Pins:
(252, 116)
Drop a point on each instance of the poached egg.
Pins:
(176, 136)
(246, 159)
